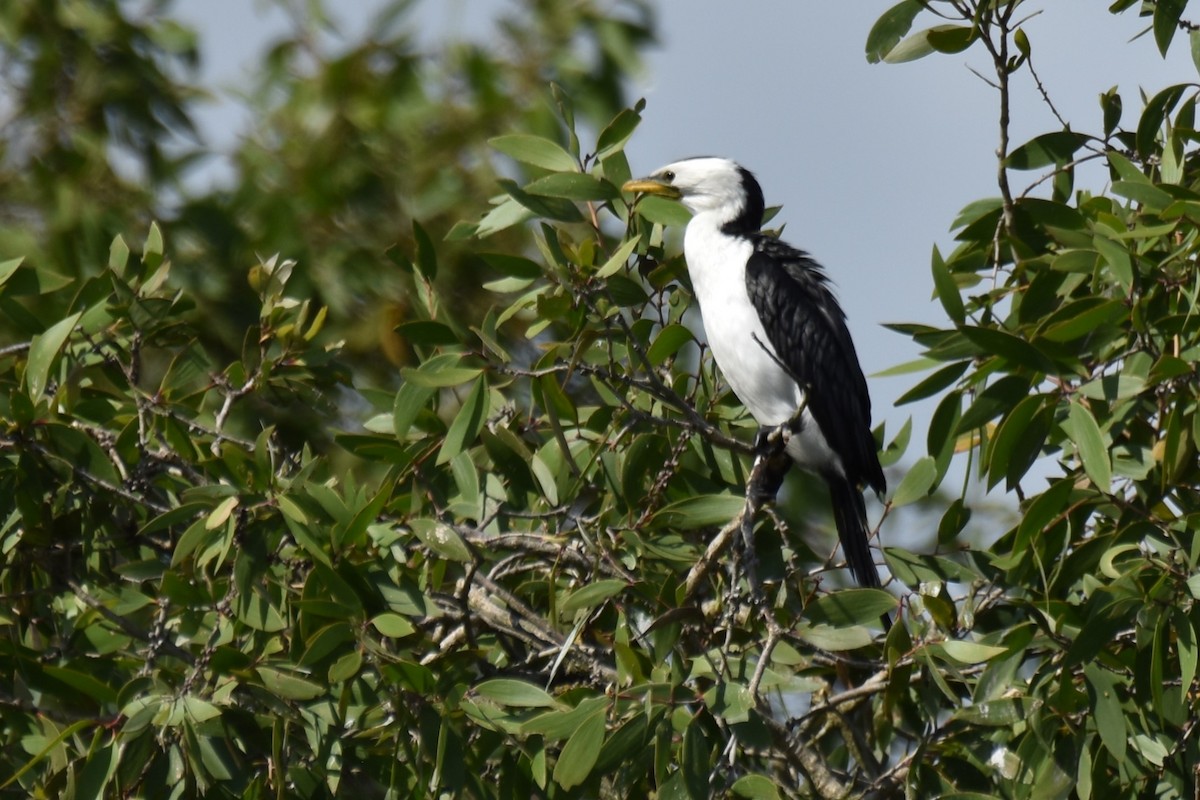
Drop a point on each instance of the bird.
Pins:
(780, 339)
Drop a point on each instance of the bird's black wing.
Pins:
(808, 330)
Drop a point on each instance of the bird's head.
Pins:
(708, 184)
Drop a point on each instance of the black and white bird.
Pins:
(779, 337)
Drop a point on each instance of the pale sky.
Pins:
(871, 162)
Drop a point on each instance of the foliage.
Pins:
(518, 576)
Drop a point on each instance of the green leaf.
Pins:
(617, 132)
(887, 32)
(392, 625)
(118, 256)
(442, 539)
(1118, 258)
(825, 637)
(42, 352)
(1058, 147)
(7, 268)
(579, 754)
(917, 482)
(573, 186)
(1166, 22)
(590, 596)
(935, 383)
(940, 38)
(511, 692)
(410, 400)
(98, 772)
(757, 787)
(552, 208)
(503, 216)
(969, 652)
(535, 150)
(152, 250)
(1107, 715)
(427, 332)
(700, 511)
(440, 372)
(668, 342)
(663, 211)
(1018, 440)
(426, 254)
(1008, 346)
(947, 289)
(847, 607)
(1155, 112)
(288, 685)
(467, 424)
(1081, 426)
(513, 266)
(616, 262)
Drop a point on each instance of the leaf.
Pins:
(1018, 440)
(513, 266)
(427, 332)
(511, 692)
(579, 754)
(969, 652)
(700, 511)
(616, 262)
(442, 539)
(410, 400)
(591, 595)
(1058, 147)
(535, 150)
(825, 637)
(668, 342)
(440, 372)
(98, 772)
(573, 186)
(1166, 22)
(7, 268)
(847, 607)
(42, 352)
(1151, 122)
(1016, 350)
(553, 208)
(467, 424)
(947, 289)
(617, 132)
(392, 625)
(1081, 426)
(940, 38)
(887, 32)
(756, 787)
(935, 383)
(1118, 258)
(152, 250)
(1106, 706)
(426, 255)
(501, 217)
(288, 685)
(917, 482)
(118, 256)
(663, 211)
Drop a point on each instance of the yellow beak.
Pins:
(651, 186)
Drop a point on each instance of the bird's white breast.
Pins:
(717, 265)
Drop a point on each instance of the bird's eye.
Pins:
(668, 176)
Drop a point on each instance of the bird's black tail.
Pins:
(850, 515)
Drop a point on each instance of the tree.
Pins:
(518, 576)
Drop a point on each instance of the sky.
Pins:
(871, 162)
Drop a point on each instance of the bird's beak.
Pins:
(651, 186)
